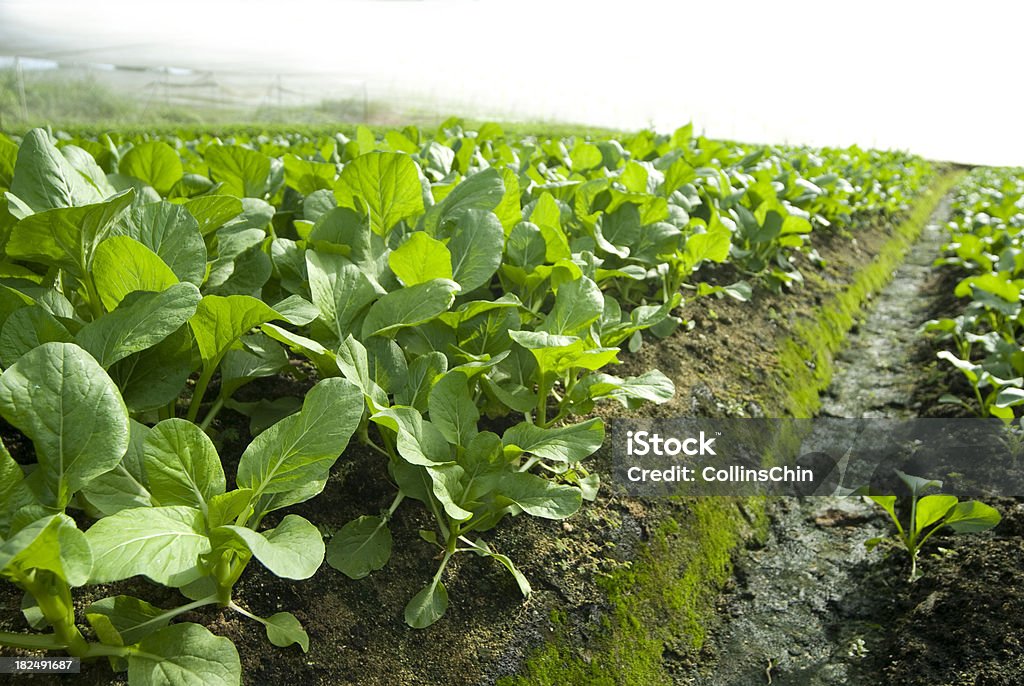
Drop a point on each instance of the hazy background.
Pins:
(944, 80)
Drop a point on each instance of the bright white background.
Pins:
(943, 79)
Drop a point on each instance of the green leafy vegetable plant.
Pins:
(930, 513)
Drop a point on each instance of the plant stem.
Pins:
(212, 414)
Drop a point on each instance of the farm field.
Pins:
(339, 407)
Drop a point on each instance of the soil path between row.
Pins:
(796, 613)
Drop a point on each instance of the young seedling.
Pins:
(929, 513)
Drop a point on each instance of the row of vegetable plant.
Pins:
(983, 341)
(438, 287)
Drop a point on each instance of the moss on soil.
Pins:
(661, 602)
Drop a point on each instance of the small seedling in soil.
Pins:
(929, 513)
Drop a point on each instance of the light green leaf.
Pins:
(972, 516)
(421, 258)
(293, 550)
(162, 543)
(578, 304)
(44, 179)
(932, 508)
(564, 444)
(66, 237)
(409, 306)
(283, 629)
(122, 265)
(243, 172)
(155, 163)
(340, 290)
(141, 321)
(427, 606)
(360, 547)
(452, 409)
(183, 654)
(60, 398)
(475, 245)
(181, 465)
(213, 211)
(303, 446)
(172, 233)
(387, 184)
(539, 497)
(307, 176)
(221, 320)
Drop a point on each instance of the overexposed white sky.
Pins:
(942, 79)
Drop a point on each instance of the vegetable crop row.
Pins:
(434, 284)
(986, 250)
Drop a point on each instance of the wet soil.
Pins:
(813, 607)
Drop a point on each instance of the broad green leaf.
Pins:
(45, 180)
(66, 237)
(183, 654)
(887, 503)
(446, 483)
(481, 193)
(387, 184)
(283, 629)
(155, 163)
(53, 544)
(175, 236)
(155, 376)
(508, 211)
(225, 508)
(712, 245)
(340, 291)
(409, 306)
(585, 156)
(181, 465)
(578, 304)
(525, 247)
(28, 328)
(11, 477)
(420, 259)
(122, 265)
(162, 543)
(452, 409)
(972, 516)
(124, 486)
(242, 266)
(354, 363)
(307, 176)
(932, 508)
(423, 371)
(360, 547)
(141, 321)
(303, 446)
(292, 550)
(419, 442)
(427, 606)
(243, 172)
(1001, 287)
(219, 321)
(539, 497)
(60, 398)
(564, 444)
(475, 245)
(213, 211)
(124, 620)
